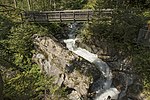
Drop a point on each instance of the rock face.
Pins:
(57, 61)
(81, 78)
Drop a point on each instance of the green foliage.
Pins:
(121, 32)
(40, 5)
(21, 37)
(90, 4)
(16, 50)
(122, 29)
(20, 43)
(34, 5)
(5, 26)
(29, 85)
(74, 4)
(141, 61)
(1, 87)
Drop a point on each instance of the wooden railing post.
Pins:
(60, 16)
(33, 17)
(47, 16)
(88, 16)
(74, 16)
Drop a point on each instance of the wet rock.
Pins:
(74, 95)
(134, 91)
(97, 85)
(120, 81)
(77, 81)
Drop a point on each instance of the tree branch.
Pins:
(6, 63)
(11, 8)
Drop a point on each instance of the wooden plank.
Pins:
(71, 15)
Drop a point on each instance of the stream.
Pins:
(107, 92)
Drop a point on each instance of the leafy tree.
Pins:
(16, 50)
(90, 4)
(75, 4)
(29, 85)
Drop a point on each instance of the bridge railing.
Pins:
(59, 16)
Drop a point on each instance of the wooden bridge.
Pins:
(62, 16)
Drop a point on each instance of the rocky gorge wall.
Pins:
(79, 76)
(67, 68)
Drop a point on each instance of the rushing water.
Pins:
(107, 91)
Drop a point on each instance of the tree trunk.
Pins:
(5, 63)
(54, 5)
(15, 3)
(50, 4)
(29, 4)
(1, 87)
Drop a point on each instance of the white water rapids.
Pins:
(102, 66)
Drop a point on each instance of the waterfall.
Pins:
(108, 91)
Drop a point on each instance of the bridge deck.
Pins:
(60, 16)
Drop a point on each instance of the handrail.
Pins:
(66, 15)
